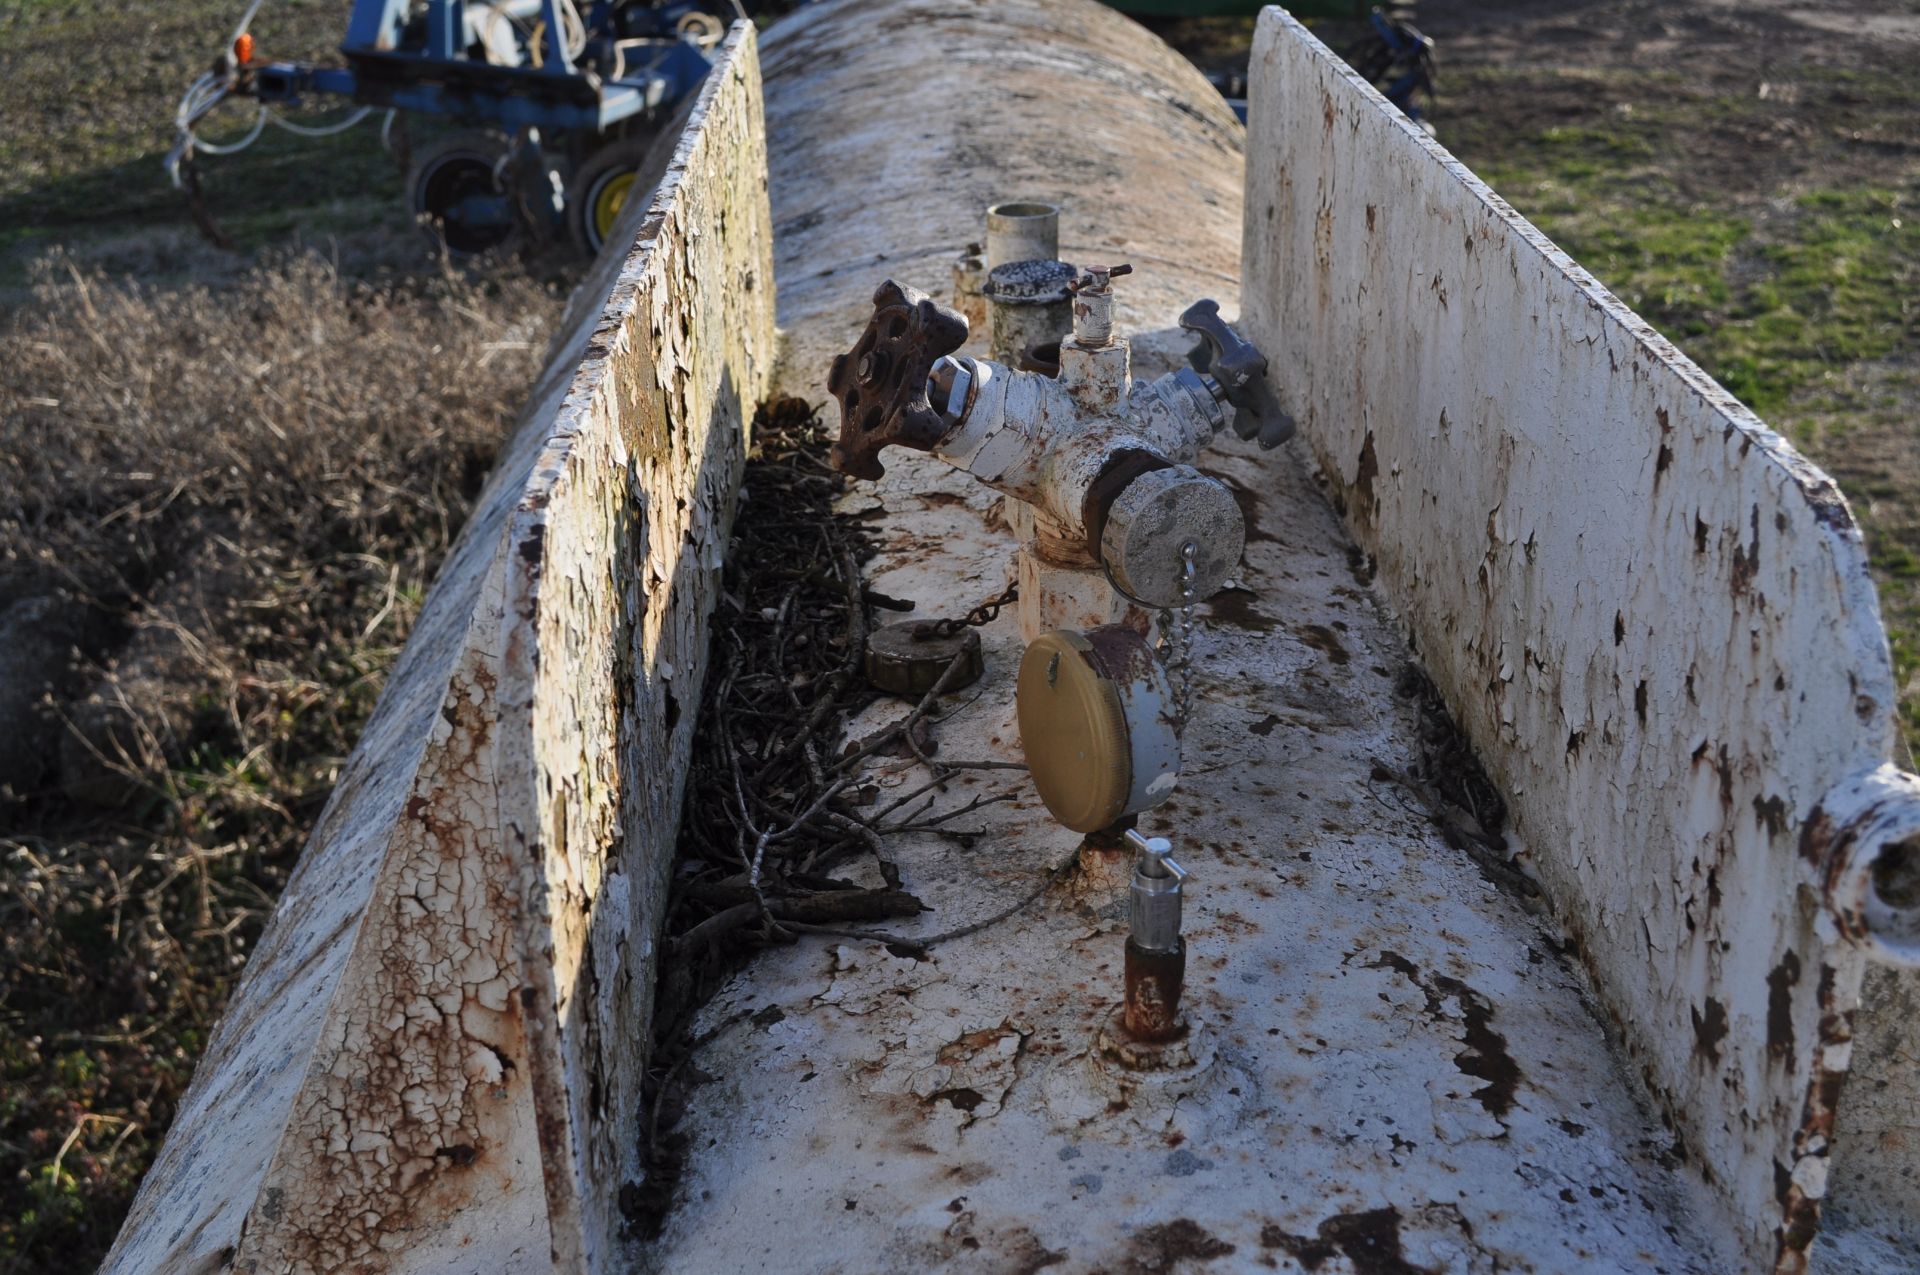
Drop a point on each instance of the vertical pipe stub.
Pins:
(1022, 230)
(969, 276)
(1868, 831)
(1156, 956)
(1093, 305)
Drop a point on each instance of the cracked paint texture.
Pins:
(440, 1032)
(1649, 613)
(614, 559)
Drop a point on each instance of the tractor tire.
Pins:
(455, 197)
(612, 177)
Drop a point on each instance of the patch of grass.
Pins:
(1595, 192)
(236, 498)
(1768, 306)
(1804, 300)
(1897, 560)
(88, 90)
(1906, 667)
(1841, 284)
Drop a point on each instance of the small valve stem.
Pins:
(1093, 304)
(1156, 956)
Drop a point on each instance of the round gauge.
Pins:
(1097, 724)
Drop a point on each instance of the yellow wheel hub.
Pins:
(608, 201)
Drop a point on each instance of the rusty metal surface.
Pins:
(910, 658)
(1008, 100)
(1151, 984)
(1389, 1051)
(1390, 1065)
(391, 1086)
(1390, 1060)
(1650, 614)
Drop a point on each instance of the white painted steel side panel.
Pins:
(1652, 616)
(614, 567)
(402, 1081)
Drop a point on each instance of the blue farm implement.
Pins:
(557, 103)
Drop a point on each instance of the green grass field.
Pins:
(1800, 291)
(87, 97)
(108, 123)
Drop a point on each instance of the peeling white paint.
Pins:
(1652, 616)
(1346, 968)
(614, 566)
(402, 1081)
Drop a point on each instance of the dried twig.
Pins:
(920, 945)
(903, 729)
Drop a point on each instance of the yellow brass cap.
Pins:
(1073, 731)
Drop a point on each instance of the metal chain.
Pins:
(1176, 634)
(981, 616)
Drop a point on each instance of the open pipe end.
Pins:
(1893, 898)
(1022, 230)
(1873, 881)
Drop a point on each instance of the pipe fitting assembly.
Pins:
(1101, 458)
(1115, 523)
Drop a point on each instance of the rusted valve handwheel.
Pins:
(882, 381)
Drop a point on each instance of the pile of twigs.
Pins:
(777, 818)
(1453, 787)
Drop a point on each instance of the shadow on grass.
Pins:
(283, 186)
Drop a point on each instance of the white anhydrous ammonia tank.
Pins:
(1634, 1039)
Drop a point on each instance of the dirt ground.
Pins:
(1747, 174)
